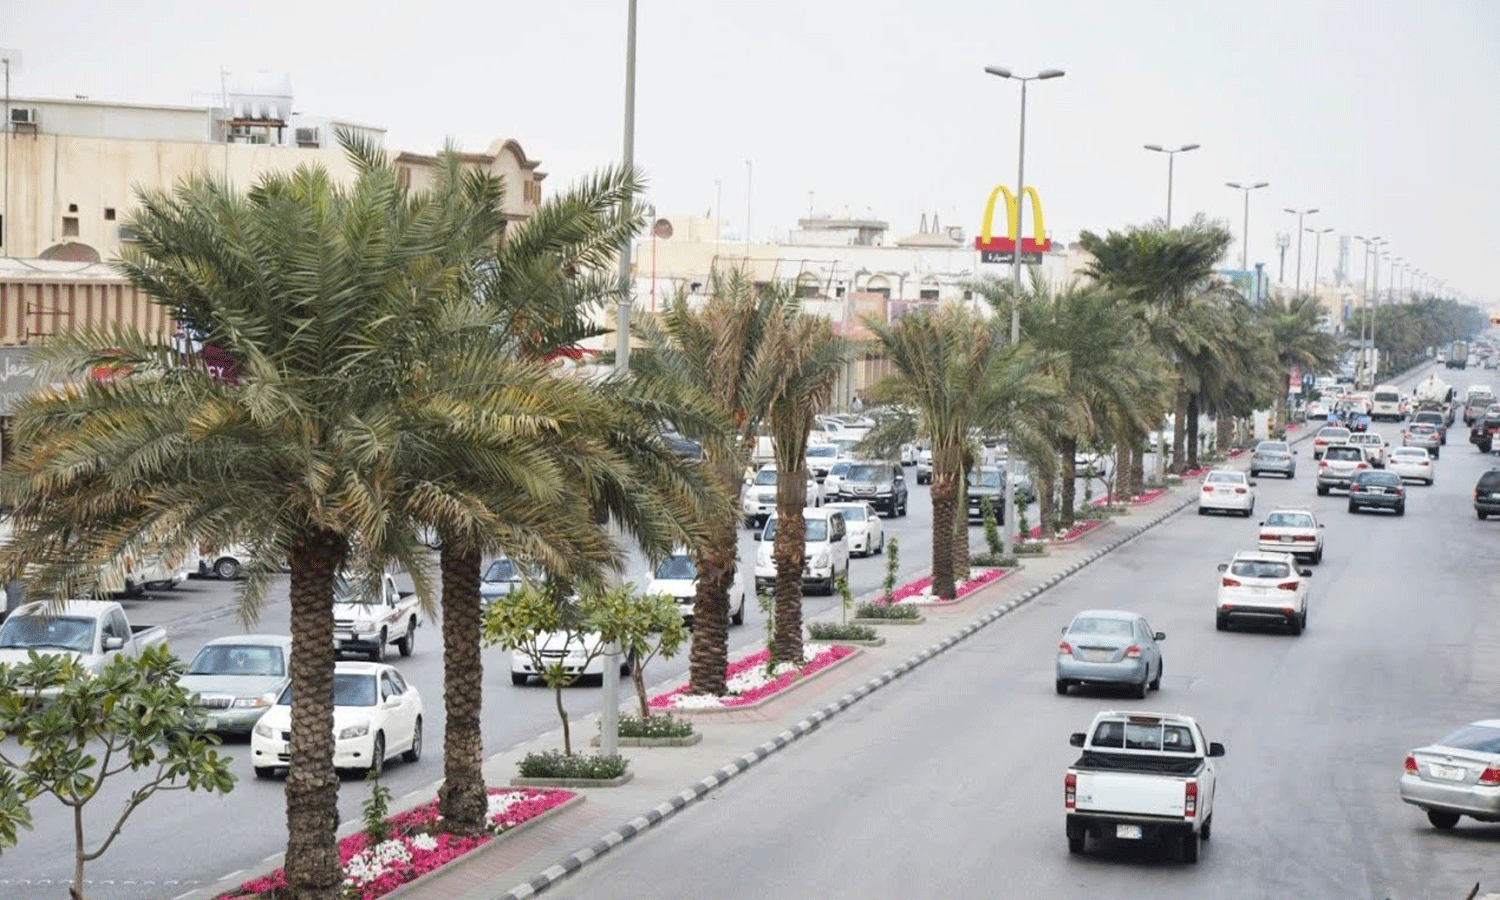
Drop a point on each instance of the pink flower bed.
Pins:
(1196, 473)
(417, 845)
(921, 586)
(823, 660)
(1077, 531)
(1138, 500)
(1236, 453)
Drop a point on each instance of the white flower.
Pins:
(371, 863)
(423, 841)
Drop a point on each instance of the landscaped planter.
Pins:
(915, 620)
(830, 656)
(520, 781)
(686, 741)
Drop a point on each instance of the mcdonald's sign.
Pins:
(1003, 250)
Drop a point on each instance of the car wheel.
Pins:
(738, 616)
(1202, 511)
(1401, 509)
(1221, 623)
(377, 756)
(1442, 819)
(1429, 482)
(378, 653)
(1322, 490)
(227, 568)
(1208, 827)
(880, 548)
(1318, 555)
(1481, 514)
(1190, 847)
(265, 771)
(1294, 624)
(414, 752)
(1352, 507)
(409, 640)
(1142, 688)
(1156, 684)
(519, 678)
(1062, 685)
(1254, 473)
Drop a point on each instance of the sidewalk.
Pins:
(668, 779)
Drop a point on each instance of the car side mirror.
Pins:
(1252, 484)
(1261, 524)
(755, 535)
(1215, 748)
(1305, 573)
(114, 643)
(1076, 739)
(1065, 629)
(1159, 636)
(1321, 525)
(1223, 567)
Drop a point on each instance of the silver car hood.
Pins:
(233, 685)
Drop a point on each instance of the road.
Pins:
(151, 859)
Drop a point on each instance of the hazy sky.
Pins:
(1382, 114)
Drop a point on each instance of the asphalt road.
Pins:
(150, 858)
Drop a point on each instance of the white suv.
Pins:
(759, 500)
(825, 555)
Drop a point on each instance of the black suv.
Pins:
(881, 484)
(1486, 430)
(1487, 494)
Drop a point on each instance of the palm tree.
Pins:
(1292, 325)
(796, 368)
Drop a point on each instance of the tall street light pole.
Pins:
(1245, 234)
(609, 710)
(1008, 546)
(1171, 158)
(1299, 213)
(1317, 234)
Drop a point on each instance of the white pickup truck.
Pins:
(1142, 776)
(363, 623)
(92, 631)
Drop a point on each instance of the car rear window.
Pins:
(1352, 453)
(1479, 738)
(1224, 478)
(1339, 433)
(1489, 481)
(1387, 479)
(1260, 568)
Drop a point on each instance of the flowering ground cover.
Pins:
(1078, 530)
(416, 844)
(1196, 473)
(920, 591)
(1139, 500)
(1237, 452)
(749, 681)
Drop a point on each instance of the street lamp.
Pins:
(1317, 234)
(1391, 289)
(1171, 158)
(1364, 306)
(1008, 546)
(1245, 236)
(1299, 213)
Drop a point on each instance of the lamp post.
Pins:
(1317, 234)
(1364, 307)
(1008, 546)
(1299, 213)
(1171, 158)
(1245, 235)
(1391, 290)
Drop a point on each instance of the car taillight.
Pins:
(1226, 581)
(1190, 800)
(1070, 791)
(1065, 647)
(1305, 537)
(1268, 537)
(1287, 586)
(1490, 775)
(1208, 489)
(1240, 490)
(1133, 651)
(1411, 764)
(1363, 465)
(1322, 463)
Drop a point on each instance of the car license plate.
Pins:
(1128, 832)
(1448, 773)
(1097, 655)
(1286, 539)
(1377, 490)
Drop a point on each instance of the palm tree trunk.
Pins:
(1179, 429)
(1067, 453)
(1046, 506)
(462, 800)
(1137, 468)
(944, 508)
(1225, 425)
(708, 656)
(1192, 430)
(789, 553)
(313, 870)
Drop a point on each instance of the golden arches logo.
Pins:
(997, 249)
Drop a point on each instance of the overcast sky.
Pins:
(1382, 114)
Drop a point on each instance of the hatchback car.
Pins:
(1328, 436)
(376, 715)
(1107, 646)
(866, 531)
(1294, 531)
(825, 555)
(1262, 587)
(235, 679)
(1226, 490)
(1487, 494)
(677, 577)
(1424, 435)
(1412, 464)
(1273, 456)
(1339, 465)
(1377, 490)
(1457, 775)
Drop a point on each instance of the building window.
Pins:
(928, 294)
(70, 226)
(808, 286)
(73, 207)
(109, 213)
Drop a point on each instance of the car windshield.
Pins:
(238, 659)
(69, 632)
(1289, 520)
(349, 689)
(866, 473)
(677, 568)
(1092, 625)
(765, 477)
(1271, 447)
(1260, 568)
(1479, 738)
(839, 468)
(986, 478)
(501, 570)
(817, 530)
(823, 451)
(853, 513)
(347, 591)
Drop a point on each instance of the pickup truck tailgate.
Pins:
(1131, 793)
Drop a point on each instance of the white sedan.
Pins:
(376, 715)
(1226, 490)
(1294, 531)
(677, 577)
(865, 531)
(1413, 463)
(1262, 587)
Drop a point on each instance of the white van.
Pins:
(1386, 403)
(825, 556)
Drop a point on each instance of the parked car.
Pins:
(1424, 435)
(1273, 456)
(1412, 463)
(1328, 436)
(1109, 646)
(1487, 494)
(1339, 465)
(1294, 531)
(881, 484)
(1457, 775)
(1373, 445)
(1226, 490)
(1261, 586)
(376, 715)
(677, 577)
(1377, 490)
(236, 678)
(866, 531)
(825, 556)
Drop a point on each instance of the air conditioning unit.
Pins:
(307, 137)
(23, 115)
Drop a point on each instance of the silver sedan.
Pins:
(1458, 775)
(1107, 646)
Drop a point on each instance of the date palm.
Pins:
(1295, 339)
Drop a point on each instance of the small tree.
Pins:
(892, 570)
(644, 627)
(530, 620)
(72, 731)
(992, 527)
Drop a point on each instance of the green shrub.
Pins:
(655, 727)
(556, 764)
(991, 527)
(998, 561)
(375, 809)
(887, 611)
(892, 568)
(840, 631)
